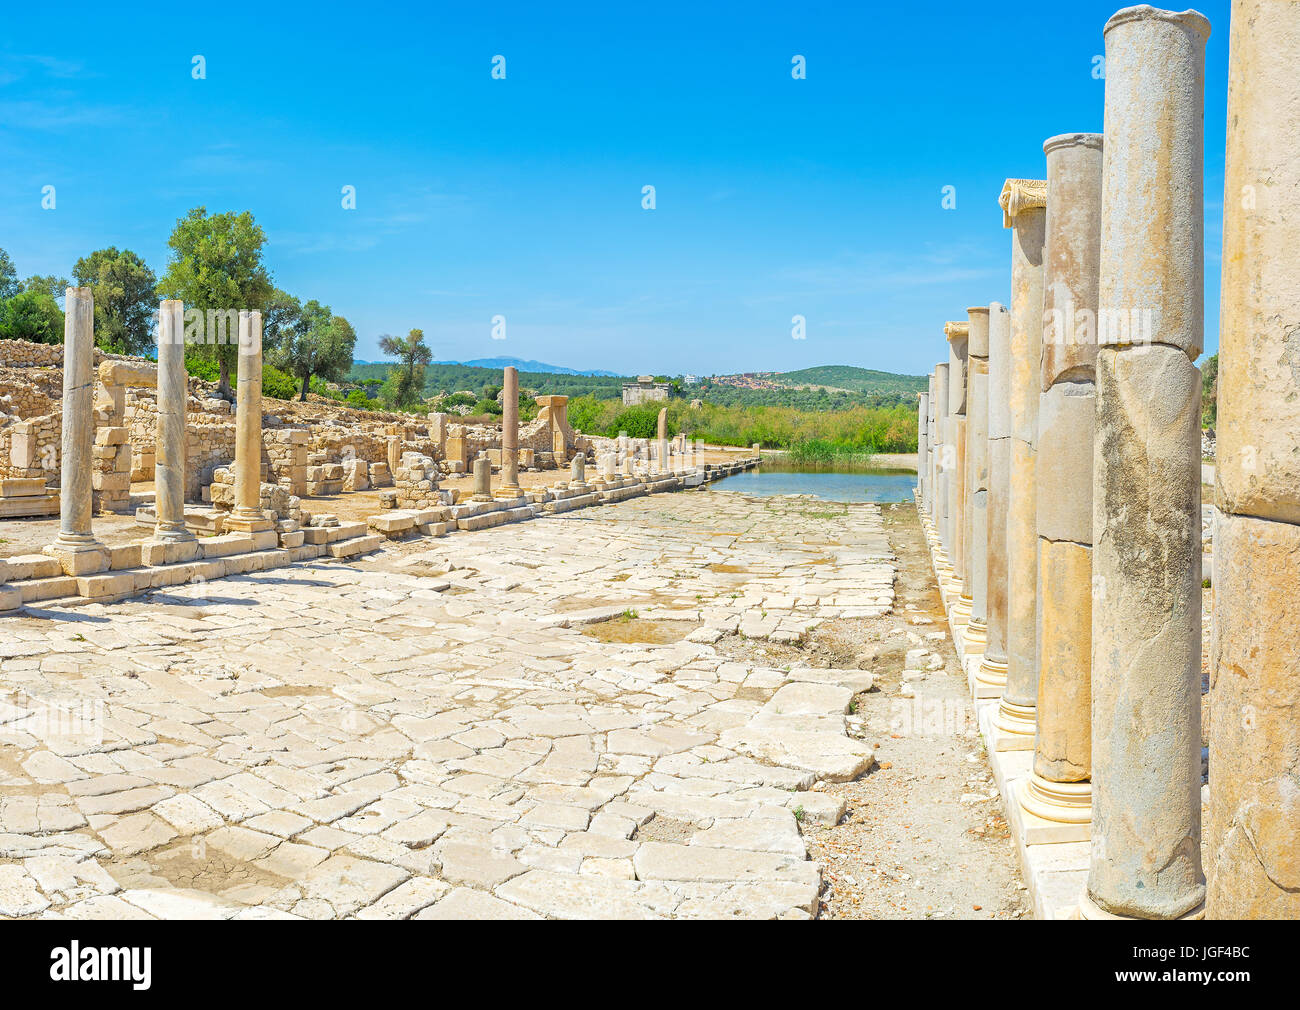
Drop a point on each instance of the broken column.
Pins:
(248, 516)
(1058, 790)
(991, 677)
(76, 548)
(1254, 831)
(1146, 607)
(169, 451)
(510, 434)
(482, 478)
(1024, 211)
(578, 471)
(974, 598)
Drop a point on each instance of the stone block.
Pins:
(21, 487)
(356, 545)
(226, 544)
(114, 584)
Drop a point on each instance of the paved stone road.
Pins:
(445, 729)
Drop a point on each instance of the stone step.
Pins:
(357, 545)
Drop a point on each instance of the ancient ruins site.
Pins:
(338, 657)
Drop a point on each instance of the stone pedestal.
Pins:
(1253, 835)
(991, 677)
(76, 548)
(1024, 205)
(248, 516)
(1146, 608)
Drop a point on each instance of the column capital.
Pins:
(1019, 195)
(955, 330)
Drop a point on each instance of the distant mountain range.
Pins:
(519, 363)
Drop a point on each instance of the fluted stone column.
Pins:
(1254, 829)
(943, 471)
(482, 478)
(76, 548)
(1024, 205)
(975, 587)
(1058, 792)
(991, 677)
(1146, 609)
(248, 516)
(922, 448)
(169, 448)
(958, 336)
(509, 433)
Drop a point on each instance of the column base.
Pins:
(977, 637)
(1014, 726)
(1090, 911)
(236, 523)
(990, 680)
(78, 556)
(170, 552)
(962, 608)
(1052, 812)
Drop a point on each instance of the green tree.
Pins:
(8, 277)
(412, 355)
(55, 287)
(125, 293)
(216, 264)
(31, 315)
(1210, 392)
(317, 343)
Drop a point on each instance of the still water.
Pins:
(863, 485)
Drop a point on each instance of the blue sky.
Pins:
(522, 197)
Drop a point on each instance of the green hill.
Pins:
(850, 377)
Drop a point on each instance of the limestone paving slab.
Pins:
(485, 726)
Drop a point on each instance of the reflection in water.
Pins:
(864, 485)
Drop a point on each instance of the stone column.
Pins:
(510, 434)
(248, 516)
(394, 451)
(1058, 790)
(974, 592)
(931, 440)
(1146, 607)
(922, 449)
(169, 449)
(578, 470)
(943, 468)
(1254, 830)
(482, 478)
(663, 440)
(991, 677)
(76, 548)
(1024, 206)
(958, 335)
